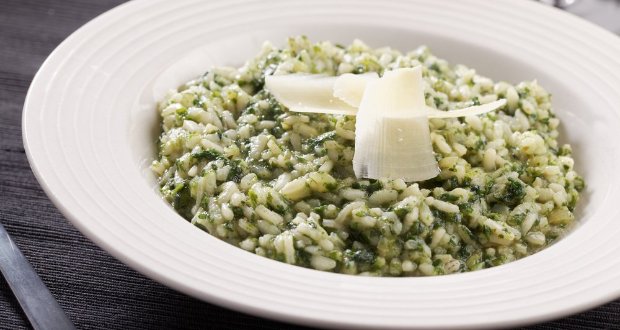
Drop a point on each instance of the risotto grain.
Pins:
(280, 184)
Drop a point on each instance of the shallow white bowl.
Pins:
(90, 129)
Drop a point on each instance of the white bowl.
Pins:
(90, 129)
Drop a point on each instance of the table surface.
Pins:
(95, 290)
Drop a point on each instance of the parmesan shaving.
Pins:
(308, 93)
(392, 136)
(406, 151)
(350, 87)
(469, 111)
(395, 138)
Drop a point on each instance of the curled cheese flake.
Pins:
(392, 137)
(319, 93)
(350, 87)
(469, 111)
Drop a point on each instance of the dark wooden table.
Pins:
(97, 291)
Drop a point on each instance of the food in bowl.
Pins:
(238, 164)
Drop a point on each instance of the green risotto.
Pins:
(506, 189)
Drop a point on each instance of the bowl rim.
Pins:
(38, 87)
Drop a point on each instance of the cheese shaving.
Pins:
(319, 93)
(350, 87)
(308, 93)
(392, 137)
(469, 111)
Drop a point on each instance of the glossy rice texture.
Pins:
(280, 184)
